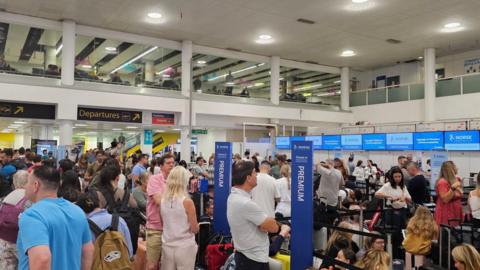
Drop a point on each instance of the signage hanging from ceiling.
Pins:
(165, 119)
(94, 114)
(27, 110)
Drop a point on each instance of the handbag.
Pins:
(9, 216)
(417, 245)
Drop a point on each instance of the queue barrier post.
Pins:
(389, 248)
(361, 227)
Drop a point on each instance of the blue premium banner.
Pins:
(223, 183)
(302, 205)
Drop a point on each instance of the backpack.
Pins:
(130, 215)
(110, 249)
(9, 216)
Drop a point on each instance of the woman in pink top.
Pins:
(449, 195)
(179, 223)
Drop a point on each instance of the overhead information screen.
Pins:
(462, 140)
(374, 141)
(331, 142)
(317, 141)
(351, 142)
(282, 142)
(428, 140)
(400, 141)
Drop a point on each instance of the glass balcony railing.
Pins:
(459, 85)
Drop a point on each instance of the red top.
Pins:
(452, 209)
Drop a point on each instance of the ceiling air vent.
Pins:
(233, 49)
(302, 20)
(393, 41)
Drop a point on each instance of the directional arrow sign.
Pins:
(20, 109)
(27, 110)
(95, 114)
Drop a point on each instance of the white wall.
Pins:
(454, 64)
(206, 142)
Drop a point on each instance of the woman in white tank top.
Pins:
(179, 223)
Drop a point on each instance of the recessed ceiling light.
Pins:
(154, 15)
(336, 82)
(86, 66)
(452, 25)
(265, 37)
(111, 49)
(159, 131)
(359, 1)
(177, 129)
(19, 122)
(116, 129)
(14, 126)
(6, 130)
(81, 125)
(132, 127)
(348, 53)
(201, 62)
(420, 57)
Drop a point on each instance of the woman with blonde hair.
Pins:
(179, 223)
(466, 257)
(450, 193)
(374, 260)
(284, 187)
(339, 240)
(421, 231)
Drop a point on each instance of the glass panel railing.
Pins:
(377, 96)
(358, 98)
(417, 91)
(398, 93)
(448, 87)
(471, 84)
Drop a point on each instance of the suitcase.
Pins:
(284, 259)
(217, 255)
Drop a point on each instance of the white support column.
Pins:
(40, 132)
(429, 67)
(185, 142)
(345, 88)
(149, 71)
(65, 133)
(275, 80)
(186, 68)
(50, 56)
(68, 53)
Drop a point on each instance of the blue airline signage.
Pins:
(462, 140)
(400, 141)
(352, 142)
(223, 183)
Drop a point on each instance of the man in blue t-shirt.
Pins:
(139, 168)
(53, 233)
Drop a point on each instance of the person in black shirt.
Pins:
(418, 185)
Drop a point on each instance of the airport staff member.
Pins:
(248, 223)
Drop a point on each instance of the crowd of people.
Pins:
(56, 214)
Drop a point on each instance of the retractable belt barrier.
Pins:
(318, 254)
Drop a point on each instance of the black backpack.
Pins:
(131, 215)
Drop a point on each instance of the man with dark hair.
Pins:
(139, 168)
(65, 165)
(36, 162)
(280, 161)
(8, 168)
(154, 227)
(199, 169)
(248, 223)
(92, 170)
(53, 233)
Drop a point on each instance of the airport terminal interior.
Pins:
(240, 134)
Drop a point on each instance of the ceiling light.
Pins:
(163, 71)
(132, 127)
(19, 122)
(359, 1)
(111, 49)
(201, 62)
(116, 129)
(57, 51)
(259, 84)
(308, 87)
(348, 53)
(86, 66)
(230, 83)
(265, 37)
(6, 130)
(166, 76)
(134, 59)
(159, 131)
(281, 79)
(176, 129)
(81, 125)
(154, 15)
(235, 72)
(336, 82)
(420, 57)
(452, 25)
(14, 126)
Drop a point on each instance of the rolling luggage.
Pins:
(284, 259)
(219, 248)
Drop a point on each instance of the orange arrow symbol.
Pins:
(19, 109)
(136, 116)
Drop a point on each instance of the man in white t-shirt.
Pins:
(265, 193)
